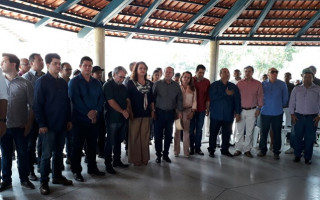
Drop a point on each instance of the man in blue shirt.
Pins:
(225, 104)
(87, 100)
(275, 98)
(304, 107)
(53, 114)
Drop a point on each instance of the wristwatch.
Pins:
(4, 120)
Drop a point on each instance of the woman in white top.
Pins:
(189, 107)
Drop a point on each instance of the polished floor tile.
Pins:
(197, 177)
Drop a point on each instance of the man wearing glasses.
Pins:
(87, 101)
(65, 71)
(275, 97)
(117, 113)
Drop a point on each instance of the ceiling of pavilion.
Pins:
(237, 22)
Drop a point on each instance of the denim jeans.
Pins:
(304, 137)
(52, 146)
(163, 124)
(276, 123)
(226, 128)
(196, 124)
(116, 133)
(32, 142)
(84, 132)
(68, 141)
(16, 135)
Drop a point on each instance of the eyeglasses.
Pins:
(274, 72)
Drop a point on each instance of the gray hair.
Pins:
(116, 70)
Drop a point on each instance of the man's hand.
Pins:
(229, 92)
(92, 114)
(190, 115)
(69, 126)
(43, 130)
(257, 113)
(207, 112)
(125, 114)
(316, 121)
(238, 117)
(27, 128)
(3, 128)
(294, 119)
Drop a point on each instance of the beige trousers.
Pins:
(186, 136)
(138, 144)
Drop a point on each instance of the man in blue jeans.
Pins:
(202, 87)
(275, 97)
(87, 101)
(18, 122)
(304, 107)
(117, 113)
(53, 113)
(168, 100)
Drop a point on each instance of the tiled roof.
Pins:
(251, 22)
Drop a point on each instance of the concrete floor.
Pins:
(198, 177)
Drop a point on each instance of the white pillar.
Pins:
(214, 57)
(99, 48)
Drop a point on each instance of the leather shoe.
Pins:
(28, 184)
(307, 162)
(119, 164)
(167, 159)
(44, 188)
(33, 177)
(276, 156)
(199, 152)
(78, 177)
(5, 186)
(96, 172)
(158, 160)
(62, 180)
(110, 169)
(261, 154)
(296, 159)
(237, 153)
(227, 154)
(248, 154)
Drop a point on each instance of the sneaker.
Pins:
(289, 151)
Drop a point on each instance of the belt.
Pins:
(248, 108)
(309, 115)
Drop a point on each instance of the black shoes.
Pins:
(119, 164)
(158, 160)
(227, 153)
(28, 184)
(44, 188)
(5, 186)
(307, 162)
(96, 172)
(261, 154)
(110, 169)
(276, 156)
(62, 180)
(78, 177)
(33, 177)
(199, 152)
(191, 151)
(296, 159)
(167, 159)
(211, 153)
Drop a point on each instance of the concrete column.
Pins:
(99, 48)
(214, 56)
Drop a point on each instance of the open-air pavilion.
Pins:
(199, 22)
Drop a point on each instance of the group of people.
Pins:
(47, 111)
